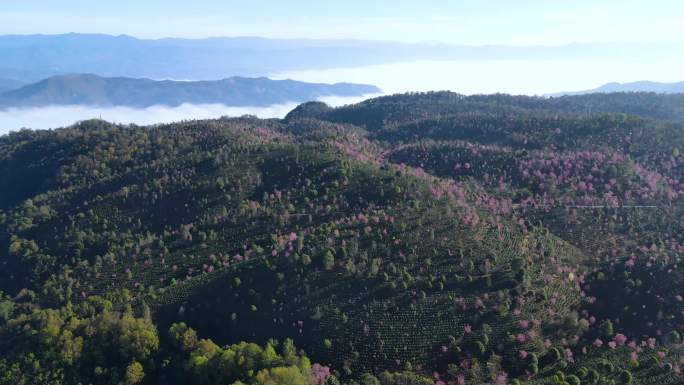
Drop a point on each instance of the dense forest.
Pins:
(427, 238)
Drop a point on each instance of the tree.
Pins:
(328, 260)
(137, 337)
(369, 379)
(572, 380)
(281, 376)
(626, 377)
(183, 337)
(289, 352)
(607, 329)
(134, 373)
(6, 308)
(319, 374)
(593, 376)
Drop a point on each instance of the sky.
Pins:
(472, 22)
(466, 22)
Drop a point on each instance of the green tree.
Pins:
(134, 373)
(607, 329)
(328, 260)
(291, 375)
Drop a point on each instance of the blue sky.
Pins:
(517, 22)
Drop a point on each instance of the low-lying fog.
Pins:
(519, 77)
(14, 119)
(469, 77)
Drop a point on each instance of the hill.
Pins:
(140, 93)
(390, 113)
(642, 86)
(411, 239)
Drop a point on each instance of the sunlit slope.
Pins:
(237, 227)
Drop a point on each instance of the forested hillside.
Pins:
(411, 239)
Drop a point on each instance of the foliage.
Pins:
(410, 239)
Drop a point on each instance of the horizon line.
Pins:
(344, 39)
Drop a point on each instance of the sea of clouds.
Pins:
(467, 77)
(517, 77)
(14, 119)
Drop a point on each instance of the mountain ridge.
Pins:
(94, 90)
(637, 86)
(213, 58)
(9, 84)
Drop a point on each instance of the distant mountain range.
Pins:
(9, 84)
(33, 57)
(87, 89)
(641, 86)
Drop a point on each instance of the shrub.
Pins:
(573, 380)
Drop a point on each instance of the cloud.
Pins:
(60, 116)
(14, 119)
(529, 77)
